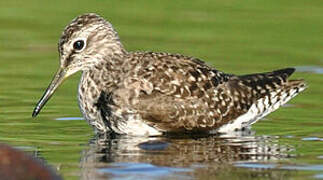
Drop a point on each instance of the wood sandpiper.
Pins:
(148, 93)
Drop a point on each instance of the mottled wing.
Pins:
(173, 92)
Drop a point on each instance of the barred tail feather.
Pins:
(276, 99)
(266, 104)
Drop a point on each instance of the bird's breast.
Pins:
(88, 95)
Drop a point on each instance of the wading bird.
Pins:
(149, 93)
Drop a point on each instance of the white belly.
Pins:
(133, 125)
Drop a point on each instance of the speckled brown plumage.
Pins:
(148, 93)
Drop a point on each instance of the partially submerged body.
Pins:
(153, 93)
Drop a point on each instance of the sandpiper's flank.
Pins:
(148, 93)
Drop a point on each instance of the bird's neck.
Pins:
(105, 73)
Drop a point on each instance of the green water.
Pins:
(233, 36)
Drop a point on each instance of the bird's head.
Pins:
(85, 42)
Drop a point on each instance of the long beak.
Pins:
(58, 79)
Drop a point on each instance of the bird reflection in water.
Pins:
(184, 157)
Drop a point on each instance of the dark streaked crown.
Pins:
(77, 24)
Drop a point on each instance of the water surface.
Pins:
(233, 36)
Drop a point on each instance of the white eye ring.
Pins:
(79, 44)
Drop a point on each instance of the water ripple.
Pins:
(129, 170)
(318, 176)
(316, 167)
(312, 139)
(310, 69)
(69, 118)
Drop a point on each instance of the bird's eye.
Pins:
(78, 45)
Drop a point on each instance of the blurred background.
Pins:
(233, 36)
